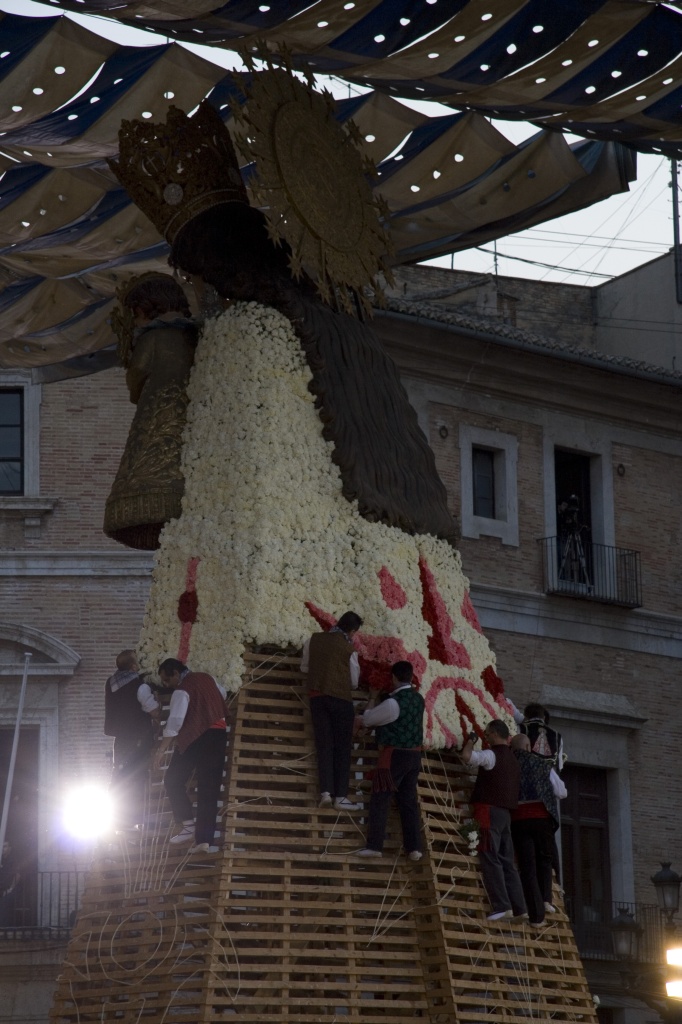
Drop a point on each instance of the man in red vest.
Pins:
(196, 724)
(495, 795)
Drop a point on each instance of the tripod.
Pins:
(572, 564)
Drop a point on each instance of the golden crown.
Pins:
(177, 170)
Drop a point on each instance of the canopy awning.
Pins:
(69, 234)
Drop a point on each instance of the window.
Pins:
(483, 467)
(488, 484)
(20, 452)
(11, 441)
(577, 459)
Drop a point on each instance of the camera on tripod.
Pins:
(567, 514)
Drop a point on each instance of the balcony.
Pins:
(575, 567)
(42, 905)
(592, 929)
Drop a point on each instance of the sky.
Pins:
(584, 248)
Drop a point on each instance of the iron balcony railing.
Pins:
(591, 925)
(42, 904)
(595, 572)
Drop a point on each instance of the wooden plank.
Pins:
(284, 925)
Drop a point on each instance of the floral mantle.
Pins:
(267, 546)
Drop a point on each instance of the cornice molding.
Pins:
(558, 618)
(482, 366)
(69, 563)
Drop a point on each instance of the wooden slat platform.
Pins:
(284, 924)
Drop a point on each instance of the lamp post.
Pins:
(625, 933)
(645, 980)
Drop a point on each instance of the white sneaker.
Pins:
(550, 908)
(368, 853)
(184, 836)
(200, 848)
(501, 915)
(325, 800)
(415, 855)
(342, 803)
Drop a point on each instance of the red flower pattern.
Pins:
(442, 646)
(469, 612)
(378, 653)
(188, 607)
(391, 591)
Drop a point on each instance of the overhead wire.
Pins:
(538, 263)
(631, 210)
(611, 214)
(628, 220)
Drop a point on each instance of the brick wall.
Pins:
(487, 560)
(561, 312)
(648, 501)
(84, 425)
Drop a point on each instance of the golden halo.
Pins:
(311, 183)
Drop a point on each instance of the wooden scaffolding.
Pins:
(284, 924)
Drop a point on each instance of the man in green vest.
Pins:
(332, 666)
(399, 724)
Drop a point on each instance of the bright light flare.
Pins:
(673, 989)
(88, 812)
(674, 956)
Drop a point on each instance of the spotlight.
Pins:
(87, 812)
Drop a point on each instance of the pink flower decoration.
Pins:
(455, 684)
(378, 653)
(323, 619)
(492, 682)
(469, 613)
(391, 591)
(442, 646)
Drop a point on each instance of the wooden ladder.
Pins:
(284, 924)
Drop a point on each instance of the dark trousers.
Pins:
(405, 766)
(500, 877)
(333, 728)
(533, 841)
(129, 777)
(207, 756)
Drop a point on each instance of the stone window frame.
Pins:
(505, 447)
(30, 505)
(596, 728)
(20, 380)
(576, 437)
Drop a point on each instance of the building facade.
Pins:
(563, 464)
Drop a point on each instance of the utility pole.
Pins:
(676, 231)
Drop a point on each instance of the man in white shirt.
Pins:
(495, 795)
(399, 724)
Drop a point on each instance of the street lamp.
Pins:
(667, 885)
(625, 934)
